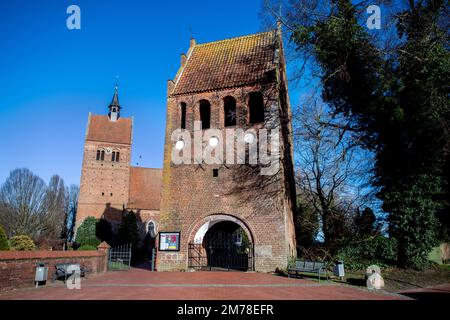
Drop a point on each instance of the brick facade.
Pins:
(189, 198)
(193, 197)
(104, 185)
(109, 188)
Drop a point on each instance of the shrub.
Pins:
(86, 233)
(87, 247)
(359, 253)
(22, 243)
(4, 245)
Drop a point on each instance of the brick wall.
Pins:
(191, 195)
(17, 268)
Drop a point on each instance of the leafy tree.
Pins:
(22, 243)
(4, 245)
(396, 102)
(86, 232)
(413, 221)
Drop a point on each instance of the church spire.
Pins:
(114, 107)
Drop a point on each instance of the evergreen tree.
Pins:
(103, 230)
(128, 230)
(365, 222)
(4, 245)
(86, 233)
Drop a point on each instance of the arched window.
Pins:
(256, 107)
(183, 115)
(98, 155)
(205, 114)
(151, 229)
(229, 111)
(115, 156)
(102, 157)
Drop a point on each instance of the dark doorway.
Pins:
(149, 246)
(225, 246)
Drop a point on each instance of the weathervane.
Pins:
(117, 82)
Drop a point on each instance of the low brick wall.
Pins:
(17, 268)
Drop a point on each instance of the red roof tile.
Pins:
(228, 63)
(145, 188)
(102, 129)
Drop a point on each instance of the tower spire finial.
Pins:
(114, 107)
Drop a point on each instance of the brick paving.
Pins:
(435, 293)
(142, 284)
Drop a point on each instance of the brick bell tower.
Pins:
(105, 175)
(237, 83)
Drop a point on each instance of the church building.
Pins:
(228, 215)
(109, 185)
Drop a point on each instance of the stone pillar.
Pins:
(104, 248)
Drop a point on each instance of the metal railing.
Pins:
(120, 258)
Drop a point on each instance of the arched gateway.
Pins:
(221, 242)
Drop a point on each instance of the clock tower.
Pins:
(105, 176)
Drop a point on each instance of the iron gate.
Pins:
(120, 257)
(225, 255)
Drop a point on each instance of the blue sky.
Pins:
(52, 77)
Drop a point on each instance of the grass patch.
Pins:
(396, 279)
(117, 265)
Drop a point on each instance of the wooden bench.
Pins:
(61, 271)
(307, 266)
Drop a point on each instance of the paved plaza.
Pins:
(201, 285)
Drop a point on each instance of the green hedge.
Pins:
(87, 247)
(360, 253)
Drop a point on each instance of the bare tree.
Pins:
(22, 198)
(55, 199)
(333, 171)
(45, 213)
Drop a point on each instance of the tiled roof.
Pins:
(101, 128)
(228, 63)
(145, 188)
